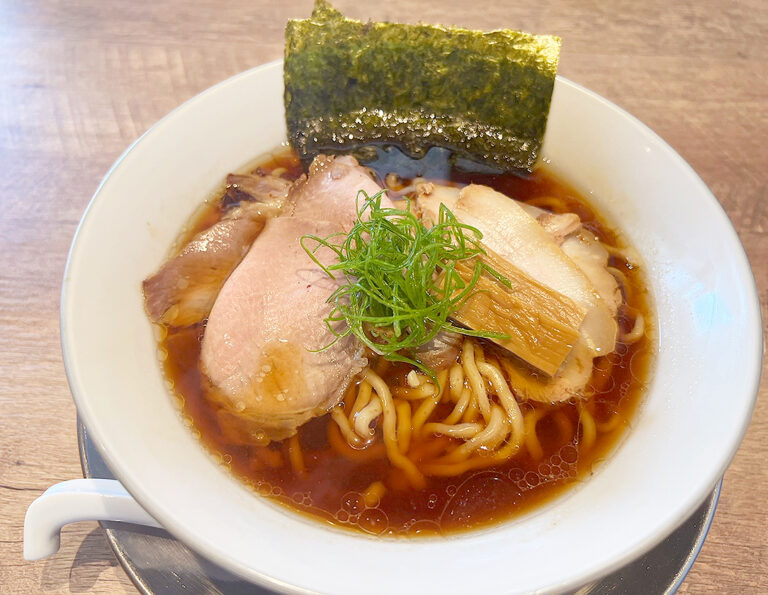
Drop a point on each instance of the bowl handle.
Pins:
(74, 501)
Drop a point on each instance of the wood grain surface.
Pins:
(80, 80)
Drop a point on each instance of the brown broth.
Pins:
(329, 489)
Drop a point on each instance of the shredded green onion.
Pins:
(395, 298)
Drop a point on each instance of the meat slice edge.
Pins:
(330, 191)
(271, 191)
(184, 290)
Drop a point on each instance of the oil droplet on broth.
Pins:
(425, 527)
(374, 521)
(352, 502)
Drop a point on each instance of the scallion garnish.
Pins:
(401, 286)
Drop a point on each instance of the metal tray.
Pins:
(158, 564)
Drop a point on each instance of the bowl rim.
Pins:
(752, 358)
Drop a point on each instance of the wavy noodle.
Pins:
(429, 449)
(390, 430)
(337, 414)
(489, 438)
(404, 427)
(532, 443)
(342, 447)
(637, 332)
(451, 469)
(479, 352)
(364, 393)
(414, 393)
(472, 412)
(493, 361)
(472, 374)
(347, 402)
(429, 404)
(461, 431)
(588, 428)
(373, 494)
(295, 456)
(461, 406)
(507, 399)
(456, 381)
(366, 417)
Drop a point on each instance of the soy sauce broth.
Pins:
(330, 486)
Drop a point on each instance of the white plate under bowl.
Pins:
(694, 416)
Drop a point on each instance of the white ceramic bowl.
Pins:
(695, 414)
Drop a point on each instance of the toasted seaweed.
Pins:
(483, 95)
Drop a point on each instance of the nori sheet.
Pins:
(483, 95)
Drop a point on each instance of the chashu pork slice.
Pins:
(515, 235)
(262, 351)
(183, 291)
(538, 247)
(330, 192)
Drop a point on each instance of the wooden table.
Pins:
(80, 80)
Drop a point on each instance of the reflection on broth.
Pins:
(478, 441)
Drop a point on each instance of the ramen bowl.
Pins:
(698, 403)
